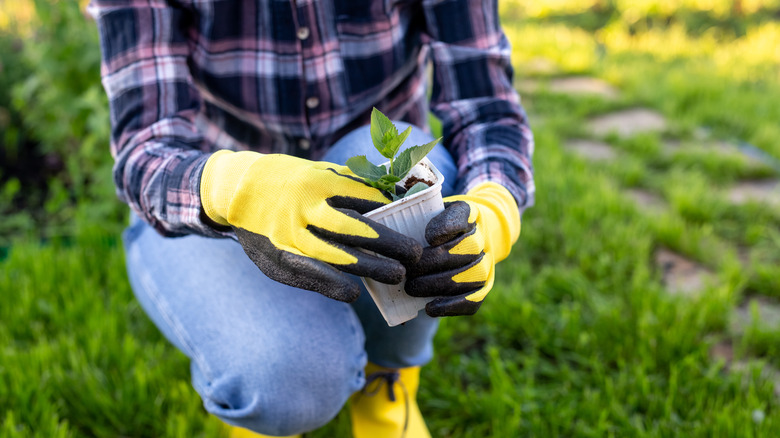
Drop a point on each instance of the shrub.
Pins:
(64, 115)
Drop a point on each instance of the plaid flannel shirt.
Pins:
(188, 77)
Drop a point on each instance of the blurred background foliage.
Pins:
(54, 123)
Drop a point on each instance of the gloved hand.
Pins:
(301, 221)
(473, 233)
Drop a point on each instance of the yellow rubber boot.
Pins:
(387, 406)
(237, 432)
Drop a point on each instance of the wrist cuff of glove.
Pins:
(500, 206)
(221, 175)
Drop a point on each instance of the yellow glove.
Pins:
(473, 233)
(301, 221)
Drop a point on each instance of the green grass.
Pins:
(78, 356)
(579, 337)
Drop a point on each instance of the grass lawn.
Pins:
(581, 336)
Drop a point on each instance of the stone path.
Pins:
(767, 318)
(768, 312)
(724, 351)
(681, 276)
(628, 123)
(591, 150)
(768, 372)
(581, 85)
(767, 191)
(540, 66)
(724, 149)
(575, 85)
(719, 147)
(647, 201)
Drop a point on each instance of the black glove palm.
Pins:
(472, 234)
(301, 221)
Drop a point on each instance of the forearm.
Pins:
(161, 184)
(498, 150)
(483, 123)
(158, 150)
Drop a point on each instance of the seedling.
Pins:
(388, 141)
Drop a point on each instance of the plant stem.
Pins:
(391, 173)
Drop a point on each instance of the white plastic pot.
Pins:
(408, 216)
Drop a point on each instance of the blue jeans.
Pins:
(265, 356)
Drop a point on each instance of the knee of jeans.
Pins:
(281, 399)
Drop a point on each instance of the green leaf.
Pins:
(409, 157)
(365, 169)
(392, 146)
(385, 182)
(392, 179)
(419, 187)
(382, 132)
(383, 185)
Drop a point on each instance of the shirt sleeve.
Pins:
(483, 124)
(158, 151)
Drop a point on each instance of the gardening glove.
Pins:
(301, 221)
(473, 233)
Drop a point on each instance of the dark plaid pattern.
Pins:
(187, 77)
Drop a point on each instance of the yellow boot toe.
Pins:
(237, 432)
(387, 405)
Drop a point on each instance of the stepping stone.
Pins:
(743, 254)
(591, 150)
(627, 123)
(767, 191)
(670, 147)
(724, 351)
(647, 200)
(583, 85)
(528, 85)
(719, 147)
(759, 155)
(539, 65)
(577, 85)
(768, 372)
(701, 133)
(730, 150)
(768, 316)
(681, 276)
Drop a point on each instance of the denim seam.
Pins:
(176, 327)
(132, 232)
(357, 329)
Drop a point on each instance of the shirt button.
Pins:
(312, 102)
(303, 33)
(304, 143)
